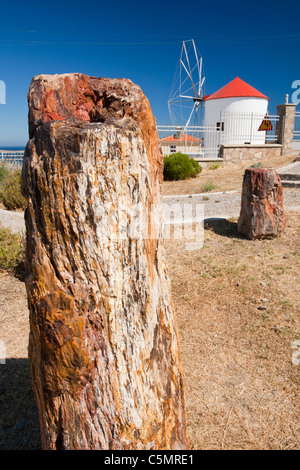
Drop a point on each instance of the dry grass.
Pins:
(224, 178)
(242, 389)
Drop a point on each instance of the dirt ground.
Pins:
(19, 425)
(224, 178)
(238, 313)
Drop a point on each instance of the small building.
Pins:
(236, 111)
(180, 142)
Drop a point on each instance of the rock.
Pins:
(262, 307)
(262, 212)
(104, 347)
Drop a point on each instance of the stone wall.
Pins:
(232, 154)
(285, 128)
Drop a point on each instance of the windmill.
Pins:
(186, 98)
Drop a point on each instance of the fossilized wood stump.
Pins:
(262, 211)
(103, 347)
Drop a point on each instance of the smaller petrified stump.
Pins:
(262, 212)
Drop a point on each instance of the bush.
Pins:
(10, 191)
(257, 165)
(209, 186)
(11, 249)
(4, 171)
(179, 166)
(214, 166)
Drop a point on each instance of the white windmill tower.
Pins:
(186, 98)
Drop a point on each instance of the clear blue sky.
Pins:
(257, 40)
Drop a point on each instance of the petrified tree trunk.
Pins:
(262, 212)
(103, 348)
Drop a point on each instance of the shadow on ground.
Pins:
(223, 227)
(19, 423)
(20, 271)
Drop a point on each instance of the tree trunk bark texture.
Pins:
(103, 348)
(262, 212)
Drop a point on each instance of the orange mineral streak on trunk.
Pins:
(104, 347)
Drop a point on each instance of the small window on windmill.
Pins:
(173, 148)
(177, 135)
(220, 126)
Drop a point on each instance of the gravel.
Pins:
(226, 204)
(13, 220)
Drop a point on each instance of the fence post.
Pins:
(285, 126)
(251, 128)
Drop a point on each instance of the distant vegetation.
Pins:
(257, 165)
(4, 171)
(10, 187)
(179, 166)
(206, 187)
(11, 249)
(214, 166)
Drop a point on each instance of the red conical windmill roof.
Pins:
(236, 88)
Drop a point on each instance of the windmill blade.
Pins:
(188, 121)
(200, 72)
(185, 96)
(190, 74)
(187, 88)
(195, 50)
(203, 80)
(199, 62)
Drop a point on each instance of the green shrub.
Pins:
(257, 165)
(209, 186)
(11, 249)
(196, 165)
(10, 191)
(179, 166)
(4, 171)
(214, 166)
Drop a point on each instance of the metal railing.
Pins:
(12, 157)
(195, 141)
(232, 129)
(297, 127)
(204, 141)
(244, 128)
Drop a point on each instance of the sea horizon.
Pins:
(13, 148)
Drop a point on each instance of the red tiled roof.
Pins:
(171, 138)
(238, 88)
